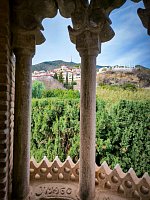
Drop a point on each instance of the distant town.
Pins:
(69, 77)
(74, 73)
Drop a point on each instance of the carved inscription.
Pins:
(53, 191)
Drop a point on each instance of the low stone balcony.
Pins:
(57, 180)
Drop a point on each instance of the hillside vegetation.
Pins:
(114, 94)
(139, 77)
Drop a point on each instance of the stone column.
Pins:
(88, 45)
(24, 50)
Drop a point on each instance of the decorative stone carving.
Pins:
(57, 179)
(28, 15)
(63, 191)
(93, 16)
(54, 171)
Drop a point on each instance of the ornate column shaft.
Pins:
(24, 48)
(91, 27)
(88, 45)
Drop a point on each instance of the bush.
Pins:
(55, 127)
(61, 94)
(123, 136)
(122, 132)
(129, 86)
(37, 89)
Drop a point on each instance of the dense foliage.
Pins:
(125, 86)
(37, 89)
(55, 128)
(61, 94)
(122, 136)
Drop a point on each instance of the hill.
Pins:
(140, 77)
(50, 65)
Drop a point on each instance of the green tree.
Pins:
(55, 76)
(60, 78)
(66, 84)
(37, 89)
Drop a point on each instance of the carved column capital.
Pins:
(91, 24)
(87, 41)
(24, 44)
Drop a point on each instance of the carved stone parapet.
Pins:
(60, 180)
(54, 171)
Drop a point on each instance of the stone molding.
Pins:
(110, 184)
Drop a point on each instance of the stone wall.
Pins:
(7, 89)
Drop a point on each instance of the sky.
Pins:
(129, 47)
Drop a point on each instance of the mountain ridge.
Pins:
(50, 65)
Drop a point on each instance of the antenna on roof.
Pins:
(71, 59)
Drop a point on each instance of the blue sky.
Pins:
(130, 45)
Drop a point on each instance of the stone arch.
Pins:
(91, 27)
